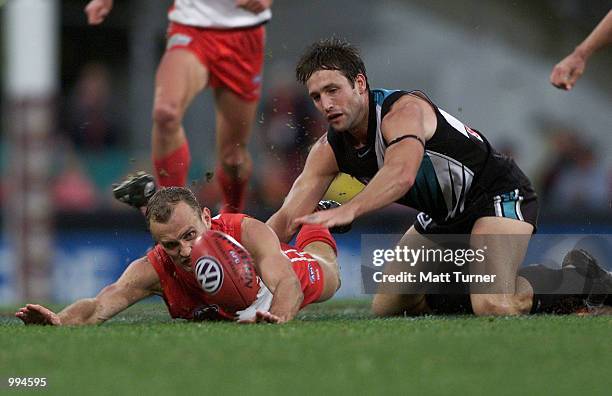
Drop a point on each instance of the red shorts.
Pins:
(234, 57)
(308, 272)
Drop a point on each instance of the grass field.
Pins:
(335, 348)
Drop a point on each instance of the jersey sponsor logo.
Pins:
(364, 153)
(473, 133)
(209, 274)
(424, 220)
(459, 126)
(178, 39)
(312, 274)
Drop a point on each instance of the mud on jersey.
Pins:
(459, 167)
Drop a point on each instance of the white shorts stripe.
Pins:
(517, 206)
(497, 206)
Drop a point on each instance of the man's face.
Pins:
(342, 104)
(178, 235)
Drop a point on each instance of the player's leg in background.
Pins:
(393, 300)
(581, 285)
(180, 77)
(506, 242)
(235, 117)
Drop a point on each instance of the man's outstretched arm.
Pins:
(307, 190)
(565, 73)
(137, 282)
(275, 270)
(406, 129)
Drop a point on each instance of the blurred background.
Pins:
(76, 101)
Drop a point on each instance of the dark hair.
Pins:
(162, 203)
(330, 54)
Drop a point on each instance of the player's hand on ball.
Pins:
(340, 216)
(97, 10)
(33, 314)
(262, 317)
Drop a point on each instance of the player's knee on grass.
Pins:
(500, 304)
(387, 305)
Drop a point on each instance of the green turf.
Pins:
(333, 348)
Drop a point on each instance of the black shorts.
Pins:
(519, 203)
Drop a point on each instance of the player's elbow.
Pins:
(403, 182)
(109, 289)
(82, 312)
(282, 225)
(399, 171)
(275, 223)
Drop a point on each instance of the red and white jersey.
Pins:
(219, 14)
(183, 294)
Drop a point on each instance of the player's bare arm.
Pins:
(137, 282)
(565, 73)
(274, 268)
(97, 10)
(254, 6)
(318, 173)
(408, 116)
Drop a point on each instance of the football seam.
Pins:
(219, 250)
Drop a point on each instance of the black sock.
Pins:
(556, 290)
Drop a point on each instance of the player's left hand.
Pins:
(340, 216)
(262, 317)
(34, 314)
(254, 6)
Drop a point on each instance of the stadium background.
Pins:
(486, 62)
